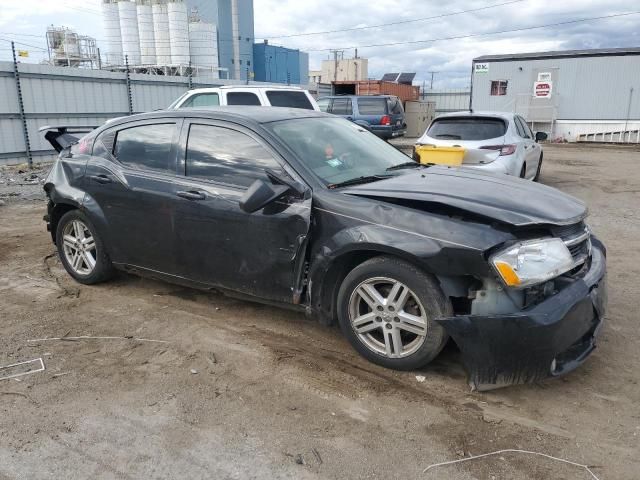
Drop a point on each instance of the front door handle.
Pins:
(192, 195)
(103, 179)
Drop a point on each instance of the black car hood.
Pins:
(506, 199)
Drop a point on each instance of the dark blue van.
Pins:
(381, 114)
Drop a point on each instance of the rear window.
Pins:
(372, 106)
(279, 98)
(467, 128)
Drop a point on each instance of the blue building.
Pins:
(234, 19)
(280, 64)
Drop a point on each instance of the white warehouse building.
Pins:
(150, 34)
(574, 95)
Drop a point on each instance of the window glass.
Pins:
(103, 147)
(224, 155)
(467, 128)
(519, 128)
(372, 106)
(242, 98)
(526, 128)
(499, 87)
(284, 98)
(324, 103)
(146, 147)
(336, 150)
(202, 100)
(395, 106)
(341, 106)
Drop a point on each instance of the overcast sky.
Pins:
(26, 21)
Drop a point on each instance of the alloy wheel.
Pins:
(387, 317)
(79, 247)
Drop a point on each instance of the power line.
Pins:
(354, 29)
(473, 35)
(24, 44)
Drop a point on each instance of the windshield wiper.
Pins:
(400, 166)
(447, 135)
(358, 181)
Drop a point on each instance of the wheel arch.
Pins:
(325, 281)
(56, 213)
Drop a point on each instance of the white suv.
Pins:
(268, 96)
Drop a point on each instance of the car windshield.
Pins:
(472, 128)
(339, 151)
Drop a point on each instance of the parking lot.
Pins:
(185, 384)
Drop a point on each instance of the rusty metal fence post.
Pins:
(128, 81)
(23, 118)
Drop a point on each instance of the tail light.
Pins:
(385, 120)
(503, 149)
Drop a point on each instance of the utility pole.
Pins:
(335, 63)
(432, 75)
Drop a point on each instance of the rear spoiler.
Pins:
(60, 137)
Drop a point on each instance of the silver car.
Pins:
(491, 141)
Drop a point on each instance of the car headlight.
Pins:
(532, 262)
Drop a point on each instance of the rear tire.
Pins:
(537, 177)
(82, 252)
(386, 309)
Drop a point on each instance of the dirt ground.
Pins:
(241, 391)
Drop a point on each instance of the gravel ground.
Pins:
(243, 391)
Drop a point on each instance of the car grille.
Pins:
(577, 238)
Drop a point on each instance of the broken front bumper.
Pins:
(549, 339)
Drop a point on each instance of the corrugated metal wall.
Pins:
(584, 88)
(71, 96)
(447, 100)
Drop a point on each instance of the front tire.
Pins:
(81, 250)
(386, 309)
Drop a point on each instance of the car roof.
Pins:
(480, 113)
(245, 87)
(245, 114)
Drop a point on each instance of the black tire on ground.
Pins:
(103, 269)
(429, 293)
(523, 171)
(537, 177)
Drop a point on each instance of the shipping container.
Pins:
(377, 87)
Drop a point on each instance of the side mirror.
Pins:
(541, 136)
(260, 194)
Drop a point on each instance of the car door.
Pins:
(259, 254)
(130, 186)
(531, 148)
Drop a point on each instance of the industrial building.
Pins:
(341, 70)
(279, 64)
(159, 36)
(234, 20)
(574, 95)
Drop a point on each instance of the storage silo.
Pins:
(113, 38)
(203, 46)
(129, 31)
(161, 33)
(178, 32)
(145, 30)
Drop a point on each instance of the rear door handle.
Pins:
(192, 195)
(103, 179)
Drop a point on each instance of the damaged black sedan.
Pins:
(306, 209)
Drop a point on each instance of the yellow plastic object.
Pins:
(509, 276)
(430, 154)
